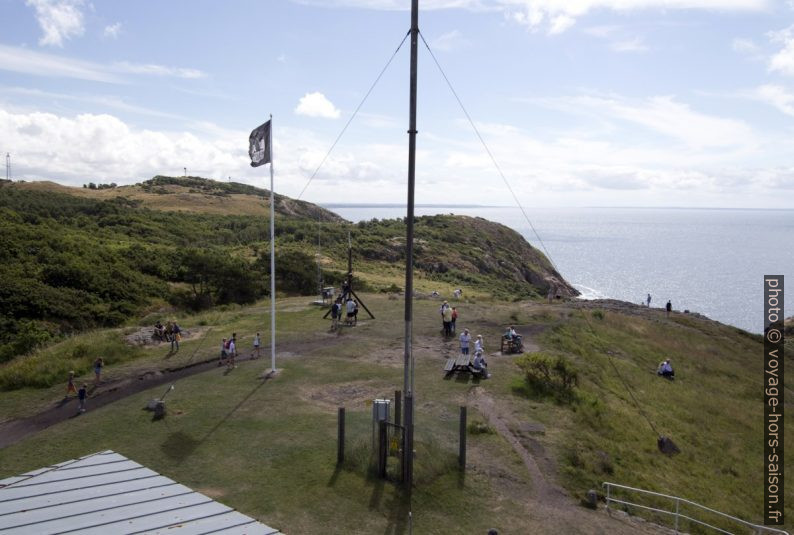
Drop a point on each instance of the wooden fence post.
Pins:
(462, 453)
(340, 433)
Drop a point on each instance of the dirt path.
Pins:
(13, 431)
(549, 501)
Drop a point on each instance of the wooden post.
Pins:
(340, 433)
(383, 448)
(397, 406)
(462, 453)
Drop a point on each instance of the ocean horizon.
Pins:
(706, 260)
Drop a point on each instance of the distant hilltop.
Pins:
(193, 194)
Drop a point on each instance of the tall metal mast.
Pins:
(8, 166)
(408, 453)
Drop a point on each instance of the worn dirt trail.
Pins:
(108, 392)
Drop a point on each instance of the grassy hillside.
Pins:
(82, 258)
(269, 449)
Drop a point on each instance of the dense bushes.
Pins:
(69, 263)
(547, 374)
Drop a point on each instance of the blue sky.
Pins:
(582, 102)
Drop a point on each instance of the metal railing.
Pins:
(678, 515)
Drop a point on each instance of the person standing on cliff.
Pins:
(649, 300)
(668, 308)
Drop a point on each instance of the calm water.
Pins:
(707, 261)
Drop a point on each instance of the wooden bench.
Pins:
(450, 365)
(512, 346)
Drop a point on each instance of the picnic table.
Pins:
(459, 363)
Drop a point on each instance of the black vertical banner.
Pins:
(774, 468)
(259, 145)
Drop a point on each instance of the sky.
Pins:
(685, 103)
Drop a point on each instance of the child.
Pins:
(81, 395)
(224, 348)
(257, 343)
(232, 353)
(98, 363)
(70, 389)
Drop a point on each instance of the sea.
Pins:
(709, 261)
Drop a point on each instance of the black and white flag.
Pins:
(259, 145)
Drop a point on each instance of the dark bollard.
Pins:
(462, 453)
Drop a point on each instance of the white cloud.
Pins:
(112, 31)
(281, 58)
(661, 115)
(561, 15)
(59, 20)
(26, 61)
(783, 61)
(745, 46)
(316, 105)
(601, 32)
(631, 45)
(776, 96)
(560, 23)
(40, 64)
(449, 41)
(558, 15)
(157, 70)
(569, 167)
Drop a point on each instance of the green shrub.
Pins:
(549, 374)
(477, 427)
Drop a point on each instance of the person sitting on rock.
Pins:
(159, 331)
(666, 370)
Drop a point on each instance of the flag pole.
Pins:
(272, 259)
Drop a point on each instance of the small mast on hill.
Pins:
(347, 285)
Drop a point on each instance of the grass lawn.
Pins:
(269, 448)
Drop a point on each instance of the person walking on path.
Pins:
(70, 389)
(232, 351)
(224, 352)
(82, 394)
(465, 338)
(98, 363)
(454, 319)
(336, 312)
(668, 308)
(649, 301)
(257, 343)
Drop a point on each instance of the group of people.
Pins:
(170, 333)
(449, 316)
(349, 307)
(229, 350)
(82, 393)
(478, 366)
